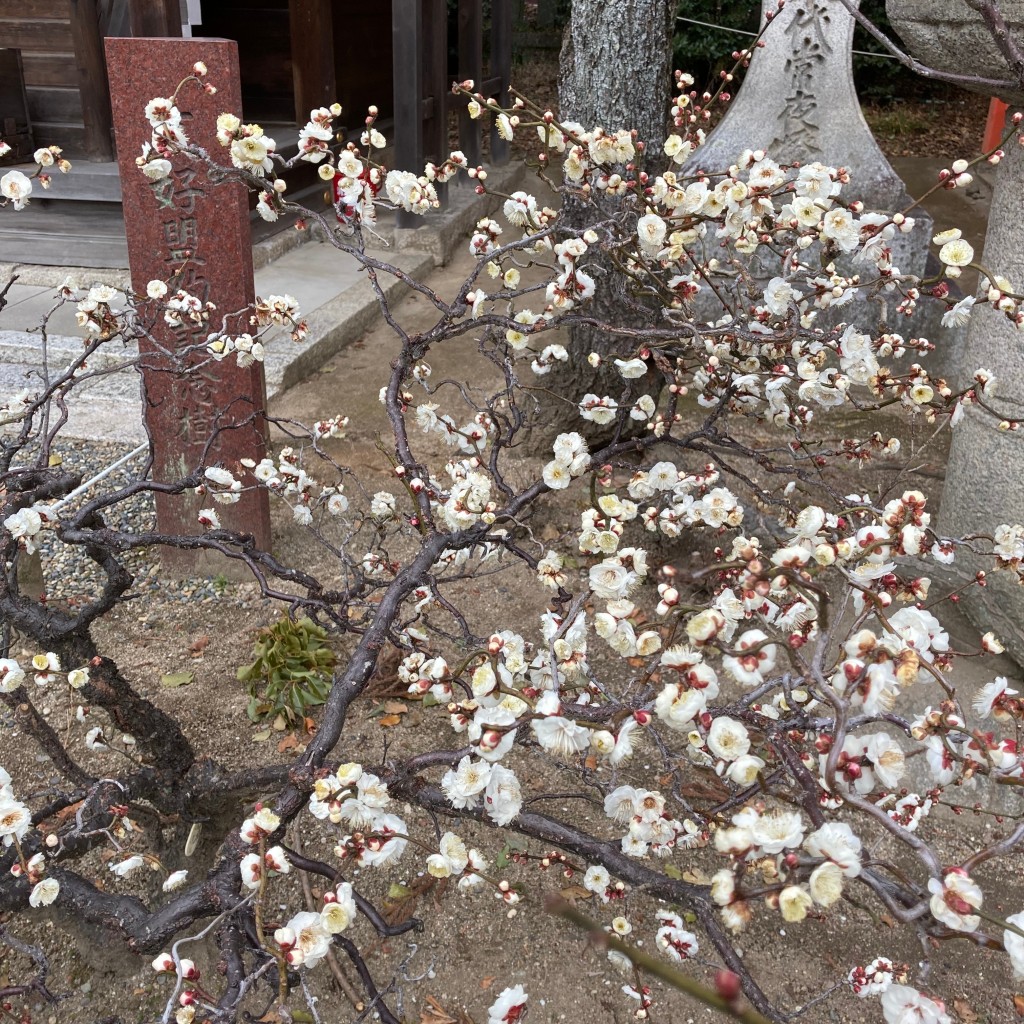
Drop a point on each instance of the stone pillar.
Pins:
(985, 473)
(187, 227)
(798, 103)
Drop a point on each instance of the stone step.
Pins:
(97, 182)
(108, 408)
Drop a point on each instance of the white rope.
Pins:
(751, 35)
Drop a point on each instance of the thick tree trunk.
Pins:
(615, 67)
(615, 72)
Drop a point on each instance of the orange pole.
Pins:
(994, 124)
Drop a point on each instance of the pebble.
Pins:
(70, 576)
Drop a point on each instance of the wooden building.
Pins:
(294, 55)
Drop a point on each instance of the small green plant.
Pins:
(292, 670)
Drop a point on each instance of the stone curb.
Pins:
(335, 324)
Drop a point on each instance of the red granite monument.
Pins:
(193, 233)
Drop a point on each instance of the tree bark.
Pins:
(615, 67)
(615, 72)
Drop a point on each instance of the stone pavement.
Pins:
(335, 297)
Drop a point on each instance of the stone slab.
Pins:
(108, 410)
(185, 227)
(338, 322)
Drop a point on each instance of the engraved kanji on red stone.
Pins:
(195, 231)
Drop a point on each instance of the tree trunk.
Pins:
(615, 67)
(615, 72)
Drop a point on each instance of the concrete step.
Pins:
(86, 181)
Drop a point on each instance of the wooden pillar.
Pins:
(312, 42)
(436, 86)
(156, 18)
(92, 80)
(471, 42)
(501, 68)
(407, 36)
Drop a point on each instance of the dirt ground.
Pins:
(471, 946)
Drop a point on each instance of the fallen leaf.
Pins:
(887, 920)
(590, 762)
(486, 983)
(54, 822)
(177, 679)
(55, 460)
(389, 720)
(288, 743)
(261, 737)
(696, 877)
(310, 726)
(1018, 1005)
(395, 707)
(572, 893)
(199, 646)
(965, 1010)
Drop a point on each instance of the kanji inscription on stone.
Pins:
(194, 234)
(798, 102)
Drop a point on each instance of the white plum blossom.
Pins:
(728, 738)
(16, 187)
(15, 817)
(904, 1005)
(339, 913)
(503, 797)
(11, 675)
(464, 785)
(130, 864)
(509, 1007)
(954, 900)
(835, 841)
(44, 892)
(1014, 943)
(311, 939)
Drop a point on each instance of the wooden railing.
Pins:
(423, 98)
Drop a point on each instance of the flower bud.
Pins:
(163, 963)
